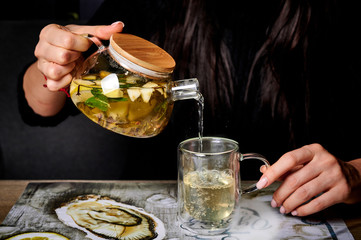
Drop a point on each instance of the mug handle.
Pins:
(257, 156)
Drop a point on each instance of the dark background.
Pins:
(50, 10)
(76, 148)
(25, 151)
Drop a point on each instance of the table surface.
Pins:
(11, 191)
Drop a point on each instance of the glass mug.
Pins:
(209, 183)
(127, 87)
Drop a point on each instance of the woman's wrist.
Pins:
(43, 101)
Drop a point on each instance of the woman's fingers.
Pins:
(285, 164)
(62, 37)
(289, 200)
(57, 76)
(299, 180)
(314, 179)
(330, 183)
(59, 48)
(57, 51)
(100, 31)
(54, 54)
(321, 202)
(54, 71)
(55, 85)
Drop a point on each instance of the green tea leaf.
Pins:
(95, 102)
(161, 107)
(121, 77)
(121, 99)
(98, 101)
(96, 91)
(128, 85)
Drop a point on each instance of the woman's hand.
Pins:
(58, 50)
(60, 47)
(313, 179)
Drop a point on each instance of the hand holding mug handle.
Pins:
(257, 156)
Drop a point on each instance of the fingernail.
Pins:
(273, 203)
(262, 183)
(294, 213)
(117, 22)
(282, 210)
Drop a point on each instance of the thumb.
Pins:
(101, 31)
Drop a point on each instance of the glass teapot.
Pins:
(127, 86)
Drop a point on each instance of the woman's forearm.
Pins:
(43, 101)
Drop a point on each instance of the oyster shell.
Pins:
(38, 235)
(104, 218)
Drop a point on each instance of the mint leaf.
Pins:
(95, 102)
(96, 91)
(98, 100)
(121, 99)
(128, 85)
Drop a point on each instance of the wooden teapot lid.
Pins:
(142, 52)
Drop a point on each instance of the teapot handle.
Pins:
(95, 40)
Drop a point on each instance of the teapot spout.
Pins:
(186, 89)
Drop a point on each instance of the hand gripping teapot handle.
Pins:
(95, 40)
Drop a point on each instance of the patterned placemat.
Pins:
(256, 219)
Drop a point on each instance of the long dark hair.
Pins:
(194, 36)
(278, 76)
(281, 66)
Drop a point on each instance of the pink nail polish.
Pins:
(115, 23)
(262, 183)
(282, 210)
(294, 213)
(262, 168)
(273, 203)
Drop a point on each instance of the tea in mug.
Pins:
(209, 185)
(209, 195)
(135, 107)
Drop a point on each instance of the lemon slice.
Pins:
(103, 73)
(116, 93)
(82, 97)
(146, 94)
(150, 85)
(153, 85)
(89, 77)
(133, 93)
(82, 82)
(38, 236)
(132, 79)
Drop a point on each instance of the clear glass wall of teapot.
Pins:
(127, 86)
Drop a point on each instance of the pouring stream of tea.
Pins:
(200, 103)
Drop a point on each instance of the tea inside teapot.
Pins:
(127, 87)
